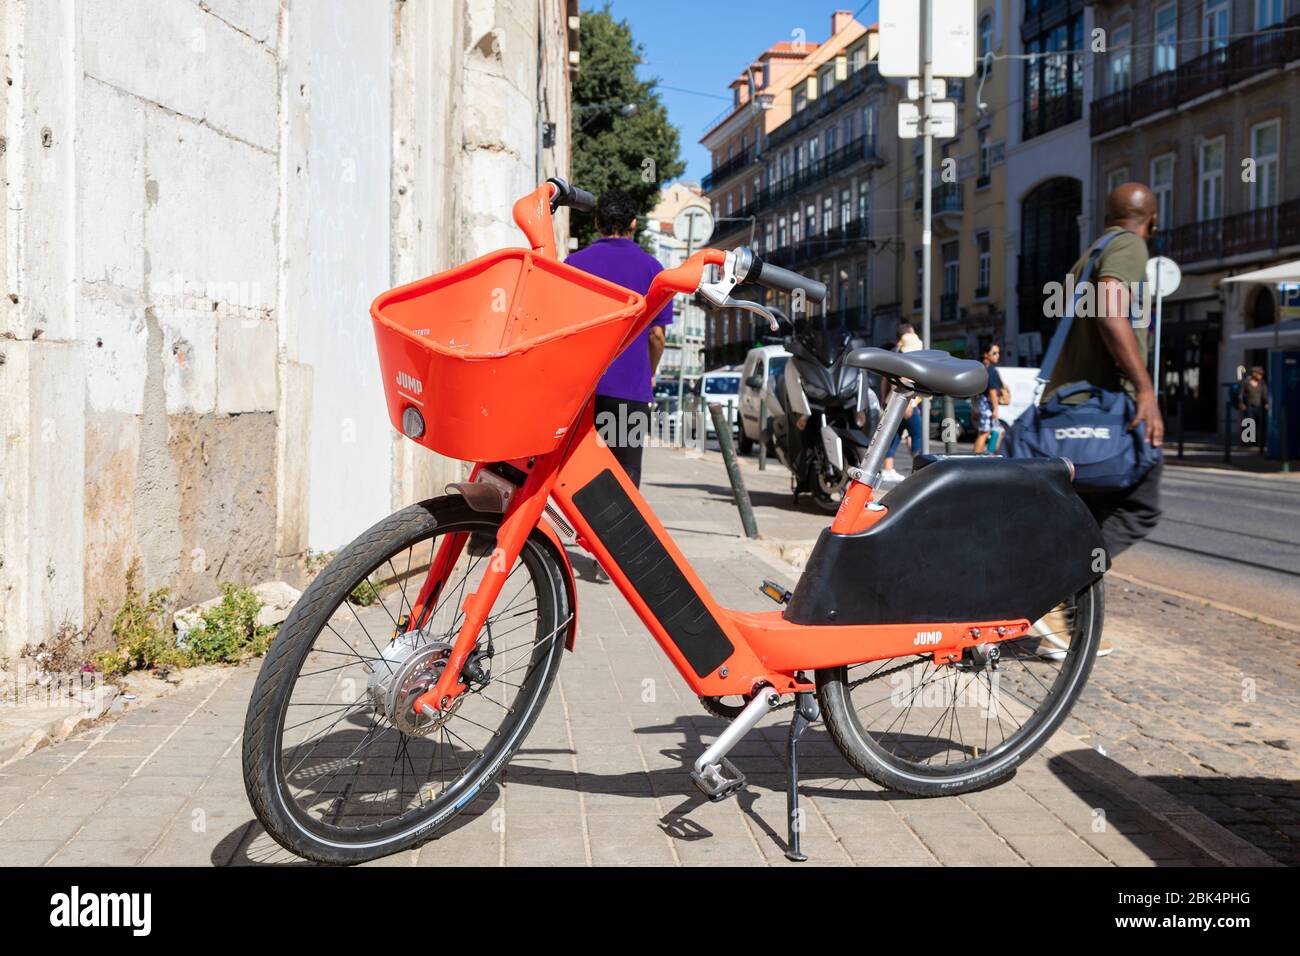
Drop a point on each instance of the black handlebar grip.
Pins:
(774, 277)
(582, 200)
(572, 196)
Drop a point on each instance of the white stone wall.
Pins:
(201, 200)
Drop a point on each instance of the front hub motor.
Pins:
(409, 666)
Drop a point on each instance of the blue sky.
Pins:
(701, 45)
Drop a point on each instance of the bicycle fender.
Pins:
(570, 583)
(485, 497)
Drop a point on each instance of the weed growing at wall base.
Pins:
(143, 637)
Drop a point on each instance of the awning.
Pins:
(1287, 332)
(1286, 272)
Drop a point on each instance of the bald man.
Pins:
(1107, 350)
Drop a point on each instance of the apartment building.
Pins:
(804, 187)
(969, 205)
(1199, 99)
(685, 337)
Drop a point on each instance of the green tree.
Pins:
(621, 133)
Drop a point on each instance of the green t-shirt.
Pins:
(1085, 356)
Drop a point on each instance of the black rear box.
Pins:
(967, 538)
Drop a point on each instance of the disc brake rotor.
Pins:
(410, 665)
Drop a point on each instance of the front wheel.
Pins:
(337, 765)
(935, 731)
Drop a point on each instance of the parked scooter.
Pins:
(822, 413)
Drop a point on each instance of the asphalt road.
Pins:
(1226, 536)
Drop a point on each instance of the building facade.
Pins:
(1199, 99)
(201, 203)
(968, 287)
(1049, 176)
(806, 196)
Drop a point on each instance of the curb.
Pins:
(16, 743)
(1188, 822)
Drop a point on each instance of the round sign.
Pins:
(694, 224)
(1163, 275)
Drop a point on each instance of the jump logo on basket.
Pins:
(74, 908)
(1083, 431)
(410, 383)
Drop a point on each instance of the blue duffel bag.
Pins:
(1082, 422)
(1090, 429)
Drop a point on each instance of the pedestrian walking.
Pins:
(908, 341)
(1252, 402)
(1109, 350)
(625, 393)
(985, 405)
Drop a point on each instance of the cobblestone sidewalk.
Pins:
(602, 778)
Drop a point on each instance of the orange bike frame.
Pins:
(719, 652)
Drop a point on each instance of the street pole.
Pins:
(1156, 373)
(926, 168)
(722, 425)
(681, 344)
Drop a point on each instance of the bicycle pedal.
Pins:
(774, 591)
(719, 781)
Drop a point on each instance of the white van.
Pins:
(1023, 383)
(762, 365)
(720, 387)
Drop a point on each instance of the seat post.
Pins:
(890, 420)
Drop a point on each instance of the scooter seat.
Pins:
(934, 371)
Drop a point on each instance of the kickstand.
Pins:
(806, 712)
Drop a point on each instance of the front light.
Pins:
(412, 422)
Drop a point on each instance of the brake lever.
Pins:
(718, 293)
(754, 307)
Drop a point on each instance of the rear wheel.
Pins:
(338, 766)
(931, 731)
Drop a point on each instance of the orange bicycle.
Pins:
(942, 635)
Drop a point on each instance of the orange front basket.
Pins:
(498, 355)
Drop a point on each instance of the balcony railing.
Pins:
(1155, 93)
(819, 245)
(728, 169)
(944, 198)
(1214, 70)
(823, 105)
(1111, 111)
(1202, 74)
(1050, 112)
(1271, 227)
(854, 151)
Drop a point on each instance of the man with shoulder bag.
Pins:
(1099, 407)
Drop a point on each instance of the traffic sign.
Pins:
(943, 119)
(952, 38)
(1163, 275)
(693, 223)
(938, 88)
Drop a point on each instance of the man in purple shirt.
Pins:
(626, 391)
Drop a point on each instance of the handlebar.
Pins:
(569, 195)
(783, 280)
